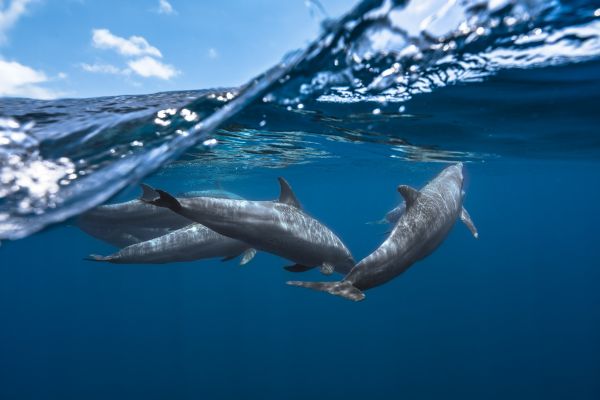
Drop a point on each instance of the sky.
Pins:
(87, 48)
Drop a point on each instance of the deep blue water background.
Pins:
(511, 315)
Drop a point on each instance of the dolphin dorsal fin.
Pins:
(286, 195)
(148, 192)
(410, 195)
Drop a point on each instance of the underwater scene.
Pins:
(405, 208)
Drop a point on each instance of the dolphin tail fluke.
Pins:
(159, 198)
(466, 219)
(342, 288)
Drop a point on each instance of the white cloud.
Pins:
(103, 69)
(134, 46)
(164, 7)
(20, 80)
(143, 57)
(213, 54)
(10, 14)
(149, 67)
(17, 79)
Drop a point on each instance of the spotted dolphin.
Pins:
(430, 214)
(190, 243)
(279, 227)
(132, 222)
(392, 216)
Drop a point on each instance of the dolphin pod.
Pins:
(429, 215)
(228, 226)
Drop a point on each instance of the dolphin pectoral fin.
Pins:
(410, 194)
(327, 269)
(342, 288)
(286, 195)
(297, 268)
(247, 256)
(466, 219)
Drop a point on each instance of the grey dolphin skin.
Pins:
(134, 221)
(279, 227)
(189, 243)
(429, 216)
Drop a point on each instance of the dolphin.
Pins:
(429, 216)
(131, 222)
(192, 242)
(279, 227)
(392, 216)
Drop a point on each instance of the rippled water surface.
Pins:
(389, 94)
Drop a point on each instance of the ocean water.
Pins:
(511, 89)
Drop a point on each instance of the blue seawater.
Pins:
(509, 88)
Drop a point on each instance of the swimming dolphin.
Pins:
(392, 216)
(189, 243)
(279, 227)
(131, 222)
(429, 216)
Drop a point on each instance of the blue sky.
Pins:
(85, 48)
